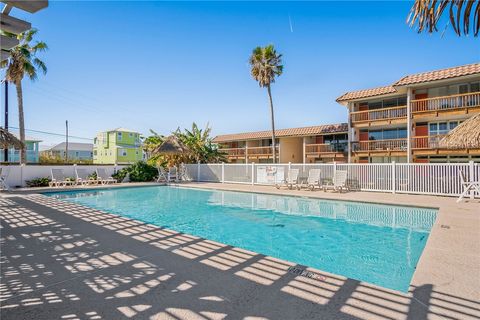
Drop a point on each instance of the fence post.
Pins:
(198, 171)
(253, 173)
(394, 184)
(223, 172)
(289, 166)
(471, 176)
(22, 182)
(334, 168)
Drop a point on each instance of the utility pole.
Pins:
(66, 141)
(5, 151)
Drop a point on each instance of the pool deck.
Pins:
(65, 261)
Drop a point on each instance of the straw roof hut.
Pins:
(8, 140)
(466, 135)
(172, 146)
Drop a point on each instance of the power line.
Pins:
(53, 134)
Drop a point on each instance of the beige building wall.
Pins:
(291, 150)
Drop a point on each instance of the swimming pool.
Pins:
(380, 244)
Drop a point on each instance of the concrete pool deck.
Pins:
(65, 261)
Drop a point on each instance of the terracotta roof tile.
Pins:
(439, 74)
(448, 73)
(305, 131)
(366, 93)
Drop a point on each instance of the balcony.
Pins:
(325, 149)
(460, 104)
(430, 145)
(388, 146)
(379, 116)
(234, 152)
(251, 152)
(261, 152)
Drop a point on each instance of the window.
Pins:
(130, 134)
(95, 152)
(436, 128)
(122, 152)
(119, 136)
(398, 133)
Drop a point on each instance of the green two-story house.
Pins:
(117, 146)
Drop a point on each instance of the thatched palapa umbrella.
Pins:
(466, 135)
(172, 146)
(8, 140)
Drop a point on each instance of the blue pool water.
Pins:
(379, 244)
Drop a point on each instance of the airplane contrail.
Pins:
(290, 22)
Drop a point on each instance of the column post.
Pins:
(349, 132)
(304, 149)
(409, 125)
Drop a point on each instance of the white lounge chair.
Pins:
(59, 179)
(162, 175)
(339, 182)
(468, 186)
(172, 174)
(83, 178)
(4, 172)
(103, 177)
(290, 181)
(182, 173)
(313, 179)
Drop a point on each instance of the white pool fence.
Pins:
(414, 178)
(17, 175)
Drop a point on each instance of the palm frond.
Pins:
(427, 14)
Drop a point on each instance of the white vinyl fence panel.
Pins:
(18, 174)
(414, 178)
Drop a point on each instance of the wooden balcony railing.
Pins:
(379, 114)
(250, 151)
(325, 147)
(254, 151)
(234, 152)
(427, 142)
(380, 145)
(458, 101)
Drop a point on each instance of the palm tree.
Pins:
(266, 65)
(23, 61)
(200, 144)
(427, 14)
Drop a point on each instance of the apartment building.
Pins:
(324, 143)
(405, 121)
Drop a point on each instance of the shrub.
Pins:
(38, 182)
(138, 172)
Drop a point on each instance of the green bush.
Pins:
(38, 182)
(139, 172)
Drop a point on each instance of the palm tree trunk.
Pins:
(21, 121)
(272, 118)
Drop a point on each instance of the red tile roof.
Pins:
(442, 74)
(439, 74)
(292, 132)
(366, 93)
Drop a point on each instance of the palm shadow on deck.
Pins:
(65, 261)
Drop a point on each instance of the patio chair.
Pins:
(313, 180)
(468, 186)
(59, 179)
(4, 172)
(339, 182)
(162, 175)
(290, 181)
(103, 177)
(172, 174)
(182, 173)
(83, 178)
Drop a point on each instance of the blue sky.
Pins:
(160, 65)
